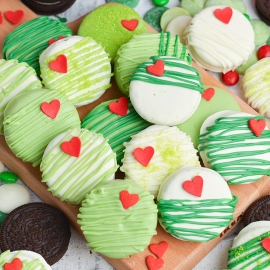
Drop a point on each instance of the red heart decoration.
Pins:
(195, 186)
(16, 264)
(266, 244)
(157, 69)
(127, 199)
(130, 25)
(59, 65)
(120, 107)
(154, 264)
(14, 17)
(208, 93)
(51, 41)
(72, 148)
(159, 249)
(1, 18)
(51, 109)
(144, 156)
(224, 15)
(256, 126)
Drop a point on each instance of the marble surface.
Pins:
(78, 256)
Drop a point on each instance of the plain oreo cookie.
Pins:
(48, 7)
(37, 227)
(258, 210)
(263, 8)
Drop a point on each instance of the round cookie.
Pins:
(118, 128)
(118, 218)
(155, 153)
(32, 119)
(235, 144)
(192, 6)
(75, 162)
(250, 247)
(15, 78)
(153, 17)
(82, 76)
(37, 227)
(28, 260)
(195, 204)
(111, 26)
(213, 100)
(256, 86)
(262, 7)
(165, 90)
(139, 49)
(219, 38)
(30, 39)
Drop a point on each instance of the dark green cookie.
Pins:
(153, 17)
(129, 3)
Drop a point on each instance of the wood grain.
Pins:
(180, 255)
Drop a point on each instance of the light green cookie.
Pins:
(192, 6)
(112, 25)
(251, 61)
(221, 101)
(153, 17)
(237, 4)
(240, 5)
(261, 31)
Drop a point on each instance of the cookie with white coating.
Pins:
(250, 249)
(155, 153)
(118, 218)
(219, 38)
(23, 260)
(77, 67)
(195, 204)
(75, 162)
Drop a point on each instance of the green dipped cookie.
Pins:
(30, 39)
(75, 162)
(15, 78)
(118, 218)
(82, 76)
(117, 121)
(139, 49)
(32, 119)
(220, 101)
(111, 26)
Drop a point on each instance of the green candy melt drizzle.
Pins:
(199, 212)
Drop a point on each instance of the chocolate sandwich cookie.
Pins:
(258, 210)
(48, 7)
(37, 227)
(263, 8)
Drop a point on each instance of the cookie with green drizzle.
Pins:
(23, 260)
(118, 218)
(30, 39)
(75, 162)
(251, 248)
(165, 90)
(139, 49)
(195, 204)
(236, 145)
(15, 78)
(78, 67)
(113, 126)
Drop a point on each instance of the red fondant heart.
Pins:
(1, 18)
(266, 244)
(51, 109)
(224, 15)
(127, 199)
(72, 148)
(130, 25)
(14, 17)
(257, 126)
(154, 264)
(59, 65)
(159, 249)
(51, 41)
(208, 93)
(120, 107)
(145, 155)
(195, 186)
(157, 69)
(16, 264)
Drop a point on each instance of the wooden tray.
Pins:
(180, 255)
